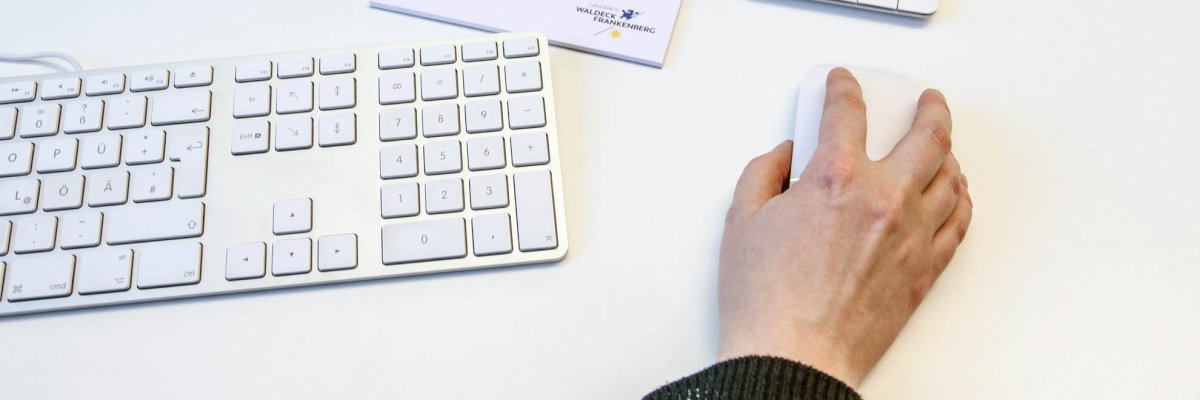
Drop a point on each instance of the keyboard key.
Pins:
(444, 196)
(16, 92)
(522, 47)
(399, 200)
(106, 271)
(481, 80)
(485, 153)
(8, 123)
(524, 76)
(127, 112)
(439, 83)
(529, 149)
(338, 129)
(479, 51)
(491, 234)
(397, 87)
(294, 133)
(536, 228)
(34, 234)
(198, 75)
(296, 67)
(64, 88)
(398, 161)
(440, 120)
(16, 158)
(250, 137)
(252, 71)
(168, 264)
(437, 54)
(5, 232)
(144, 146)
(489, 191)
(251, 100)
(442, 157)
(337, 252)
(337, 93)
(105, 84)
(81, 229)
(189, 146)
(337, 64)
(107, 187)
(294, 97)
(62, 192)
(526, 112)
(424, 241)
(395, 58)
(178, 107)
(149, 80)
(246, 261)
(154, 221)
(82, 116)
(291, 256)
(19, 196)
(100, 151)
(39, 278)
(38, 120)
(292, 216)
(484, 116)
(397, 124)
(153, 183)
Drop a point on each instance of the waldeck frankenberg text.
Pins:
(610, 18)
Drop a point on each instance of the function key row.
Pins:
(448, 53)
(296, 67)
(106, 84)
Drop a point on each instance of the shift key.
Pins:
(151, 222)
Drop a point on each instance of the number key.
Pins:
(444, 196)
(485, 153)
(442, 157)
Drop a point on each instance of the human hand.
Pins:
(828, 271)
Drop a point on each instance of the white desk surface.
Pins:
(1080, 277)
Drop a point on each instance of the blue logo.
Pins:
(629, 14)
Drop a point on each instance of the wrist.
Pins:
(828, 358)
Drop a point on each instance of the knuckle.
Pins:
(887, 209)
(939, 133)
(846, 99)
(837, 172)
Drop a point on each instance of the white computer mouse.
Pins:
(891, 106)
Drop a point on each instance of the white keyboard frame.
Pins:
(345, 199)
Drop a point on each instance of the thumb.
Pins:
(761, 180)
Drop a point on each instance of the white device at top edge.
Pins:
(910, 8)
(891, 107)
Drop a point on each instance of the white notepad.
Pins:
(637, 31)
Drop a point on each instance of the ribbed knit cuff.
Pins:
(756, 378)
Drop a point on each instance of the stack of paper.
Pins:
(637, 31)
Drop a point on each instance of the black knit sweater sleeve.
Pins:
(756, 378)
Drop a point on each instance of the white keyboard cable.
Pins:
(27, 57)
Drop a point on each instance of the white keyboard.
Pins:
(249, 173)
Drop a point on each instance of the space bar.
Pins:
(151, 222)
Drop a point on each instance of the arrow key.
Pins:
(292, 216)
(292, 256)
(337, 252)
(246, 261)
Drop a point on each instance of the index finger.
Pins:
(844, 119)
(923, 150)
